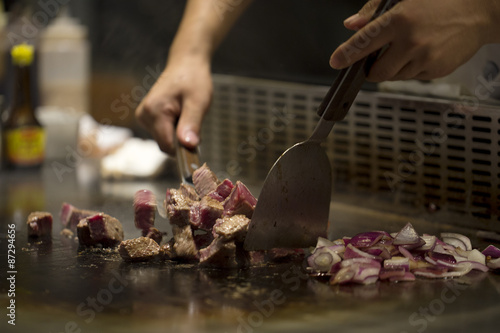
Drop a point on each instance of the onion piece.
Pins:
(408, 237)
(464, 239)
(473, 255)
(366, 239)
(353, 252)
(406, 253)
(493, 263)
(430, 243)
(323, 258)
(407, 276)
(397, 263)
(387, 273)
(492, 251)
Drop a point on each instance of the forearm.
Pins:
(204, 25)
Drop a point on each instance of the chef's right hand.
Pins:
(181, 96)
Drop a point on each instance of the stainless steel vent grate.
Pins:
(421, 151)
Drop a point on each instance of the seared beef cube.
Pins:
(70, 215)
(283, 254)
(100, 229)
(39, 224)
(144, 209)
(222, 191)
(167, 250)
(139, 249)
(184, 245)
(154, 234)
(202, 239)
(204, 213)
(256, 258)
(219, 253)
(205, 181)
(189, 192)
(240, 201)
(178, 207)
(231, 228)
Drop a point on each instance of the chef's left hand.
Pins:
(427, 39)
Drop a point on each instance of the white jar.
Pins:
(64, 64)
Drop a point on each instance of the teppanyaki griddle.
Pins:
(60, 288)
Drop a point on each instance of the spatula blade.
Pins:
(294, 203)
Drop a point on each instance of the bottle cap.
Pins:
(22, 54)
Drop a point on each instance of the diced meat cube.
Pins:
(202, 240)
(178, 207)
(39, 224)
(167, 250)
(100, 229)
(144, 209)
(70, 215)
(205, 181)
(240, 201)
(154, 234)
(219, 253)
(184, 245)
(139, 249)
(189, 191)
(204, 213)
(231, 228)
(222, 191)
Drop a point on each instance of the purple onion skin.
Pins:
(491, 251)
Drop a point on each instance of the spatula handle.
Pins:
(344, 90)
(188, 160)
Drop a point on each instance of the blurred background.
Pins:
(287, 40)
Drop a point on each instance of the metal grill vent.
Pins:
(420, 151)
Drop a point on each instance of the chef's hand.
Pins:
(427, 38)
(181, 95)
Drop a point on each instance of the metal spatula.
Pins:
(294, 203)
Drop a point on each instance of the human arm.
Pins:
(427, 38)
(182, 93)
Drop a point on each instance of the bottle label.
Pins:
(25, 146)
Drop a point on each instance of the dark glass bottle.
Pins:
(23, 135)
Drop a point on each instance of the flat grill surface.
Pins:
(60, 287)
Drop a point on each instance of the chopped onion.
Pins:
(493, 263)
(406, 253)
(397, 263)
(353, 252)
(323, 258)
(387, 273)
(430, 243)
(492, 251)
(407, 276)
(366, 239)
(464, 239)
(408, 236)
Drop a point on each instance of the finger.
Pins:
(163, 130)
(389, 64)
(360, 19)
(370, 38)
(189, 125)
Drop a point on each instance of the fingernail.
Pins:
(191, 137)
(350, 20)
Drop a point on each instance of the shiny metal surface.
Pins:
(293, 206)
(60, 288)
